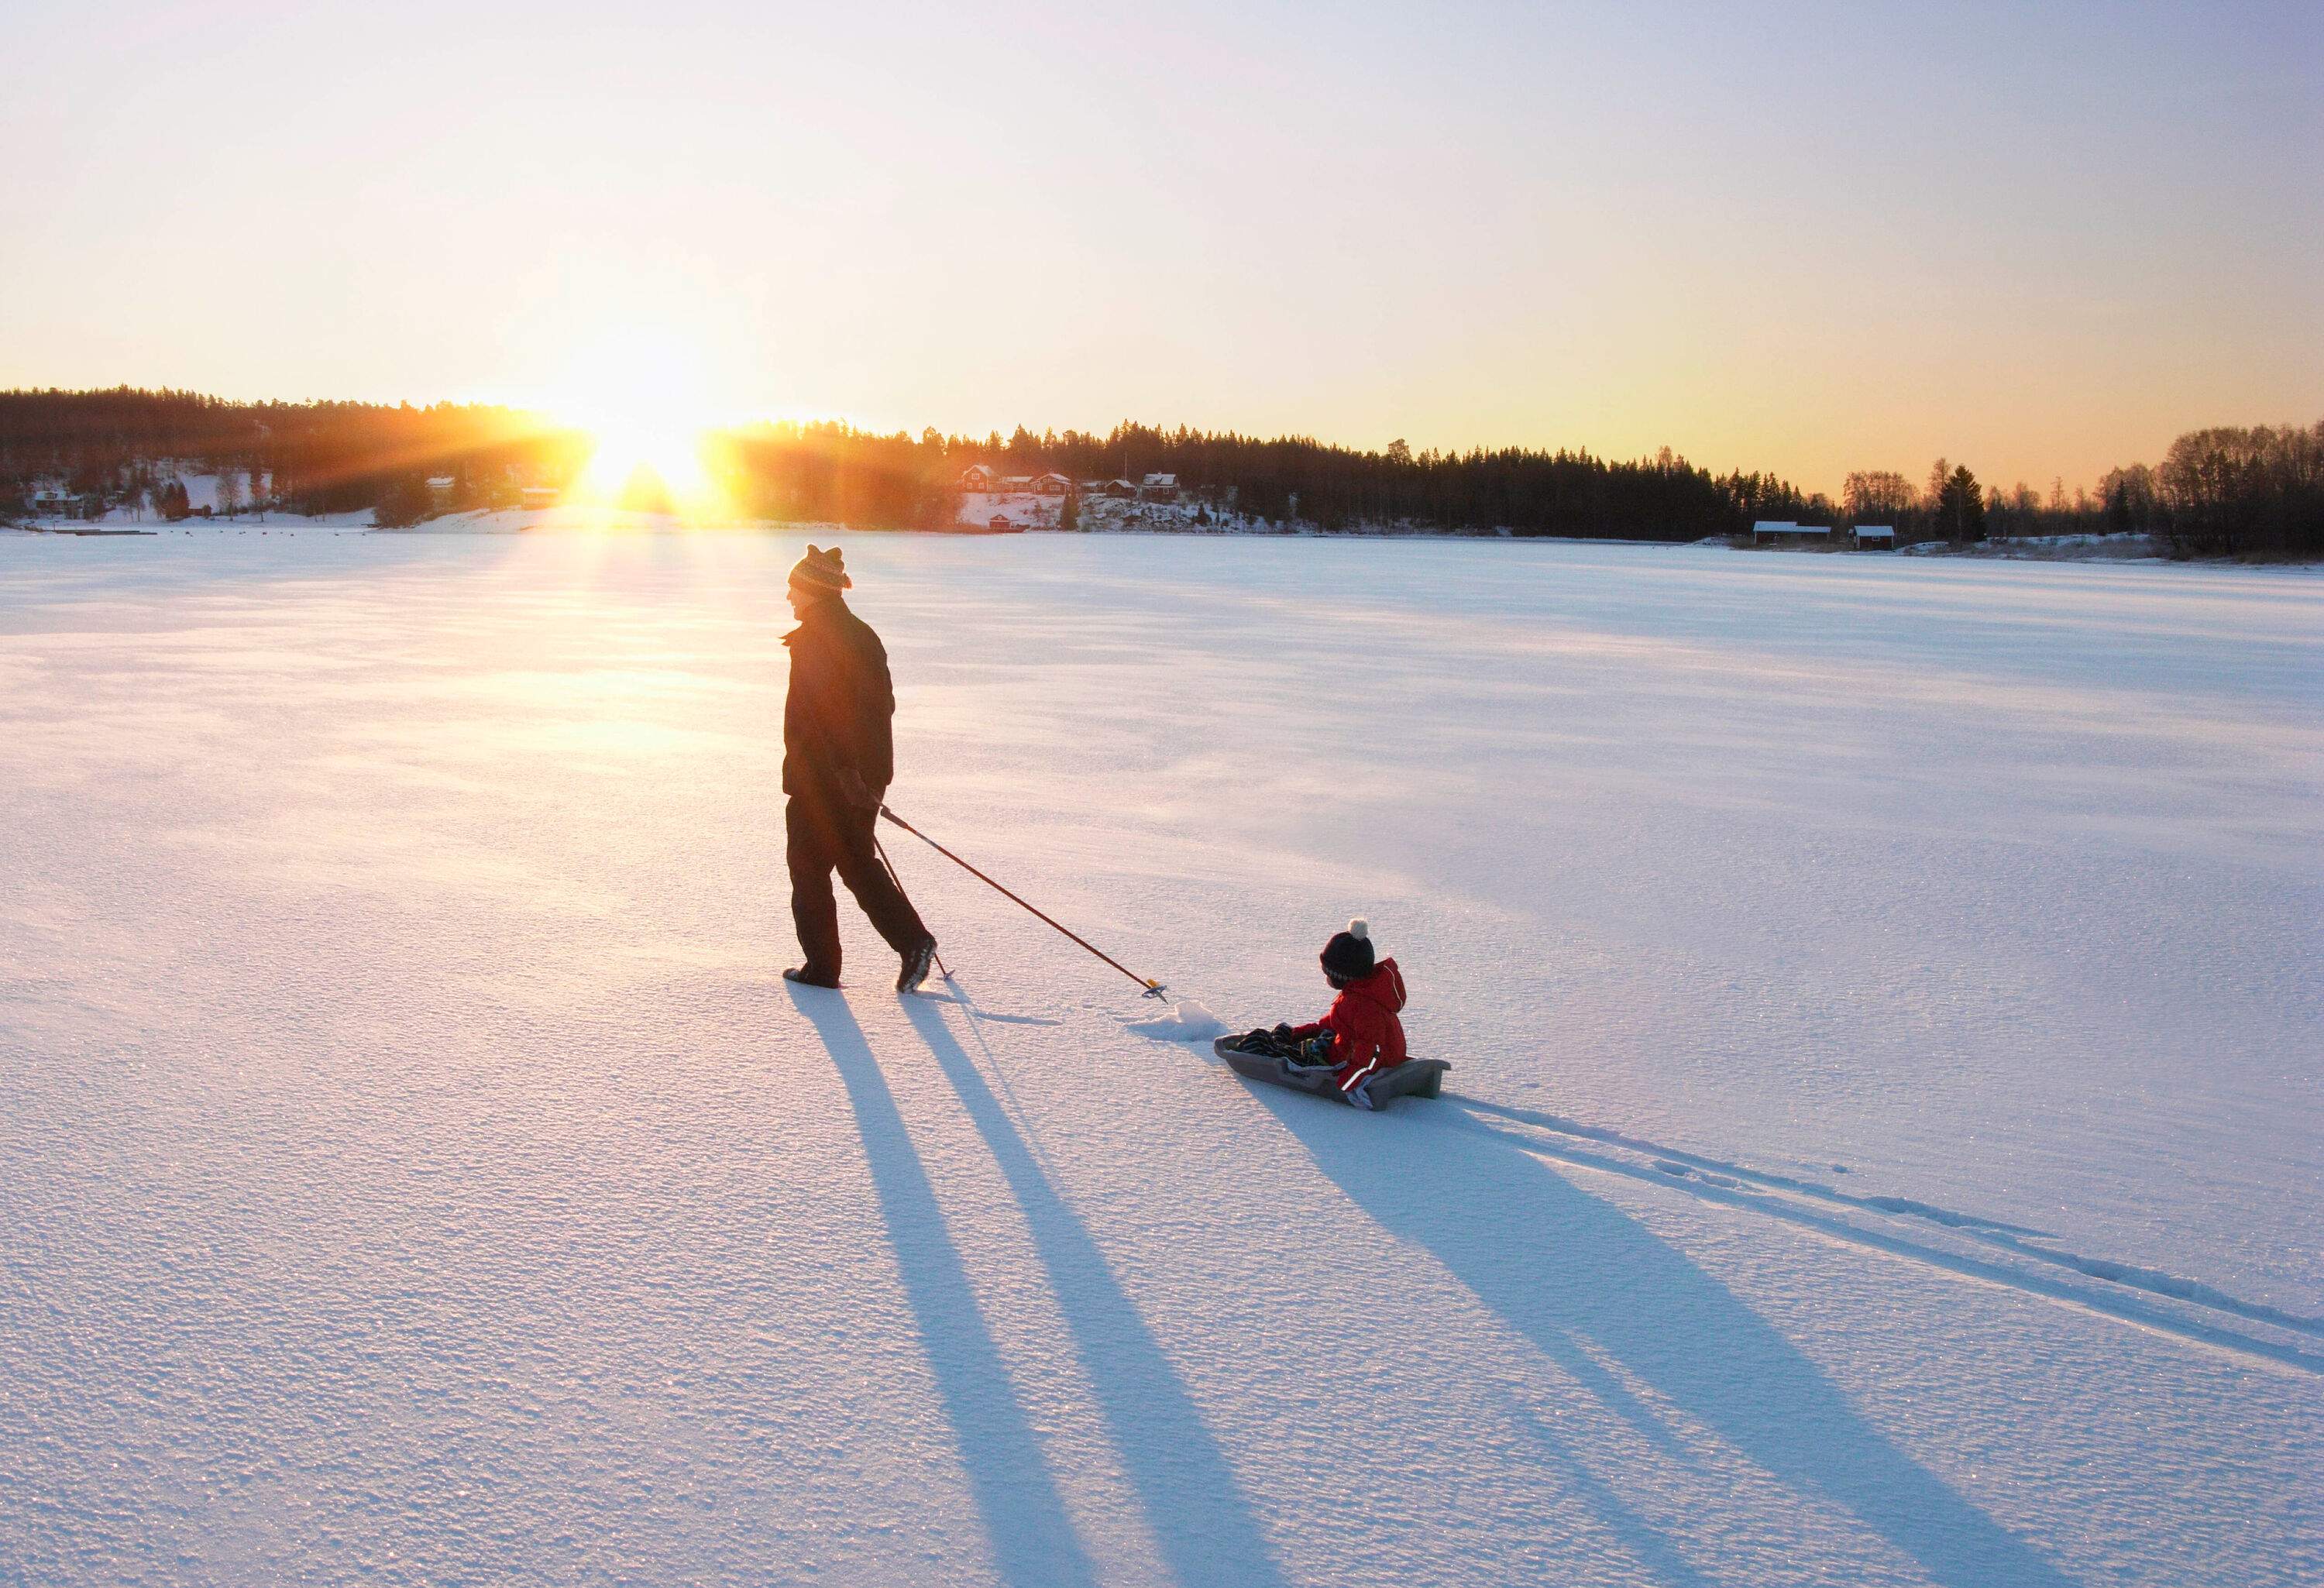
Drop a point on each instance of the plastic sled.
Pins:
(1414, 1078)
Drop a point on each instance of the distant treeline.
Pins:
(309, 456)
(2230, 492)
(344, 457)
(1297, 478)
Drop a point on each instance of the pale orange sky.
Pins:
(2040, 241)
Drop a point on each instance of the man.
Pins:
(838, 759)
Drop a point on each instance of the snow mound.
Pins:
(1189, 1021)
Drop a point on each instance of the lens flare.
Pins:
(640, 397)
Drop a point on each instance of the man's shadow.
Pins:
(1033, 1543)
(1201, 1519)
(1576, 1275)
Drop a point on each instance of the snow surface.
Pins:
(2120, 545)
(1883, 1144)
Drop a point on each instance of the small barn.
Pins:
(1876, 536)
(1159, 488)
(535, 497)
(1051, 486)
(440, 492)
(1778, 530)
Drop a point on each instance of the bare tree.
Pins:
(1872, 495)
(2233, 492)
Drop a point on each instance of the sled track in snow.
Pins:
(1962, 1243)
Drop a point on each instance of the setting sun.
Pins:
(640, 396)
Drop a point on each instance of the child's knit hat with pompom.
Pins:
(1348, 956)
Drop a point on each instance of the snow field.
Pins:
(412, 1169)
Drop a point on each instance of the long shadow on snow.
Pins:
(1648, 1544)
(1033, 1540)
(1571, 1272)
(1201, 1519)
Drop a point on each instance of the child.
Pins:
(1365, 1039)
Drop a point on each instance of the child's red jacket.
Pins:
(1366, 1035)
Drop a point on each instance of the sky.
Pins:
(2040, 239)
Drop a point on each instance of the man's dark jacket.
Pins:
(839, 715)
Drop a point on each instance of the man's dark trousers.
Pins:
(823, 833)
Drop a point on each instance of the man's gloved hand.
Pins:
(851, 789)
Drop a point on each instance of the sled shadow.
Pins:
(1033, 1540)
(1201, 1520)
(1575, 1276)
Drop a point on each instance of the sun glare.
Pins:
(640, 397)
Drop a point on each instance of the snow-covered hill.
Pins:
(1886, 1142)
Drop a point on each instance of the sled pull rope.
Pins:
(1153, 989)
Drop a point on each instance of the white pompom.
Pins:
(1359, 928)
